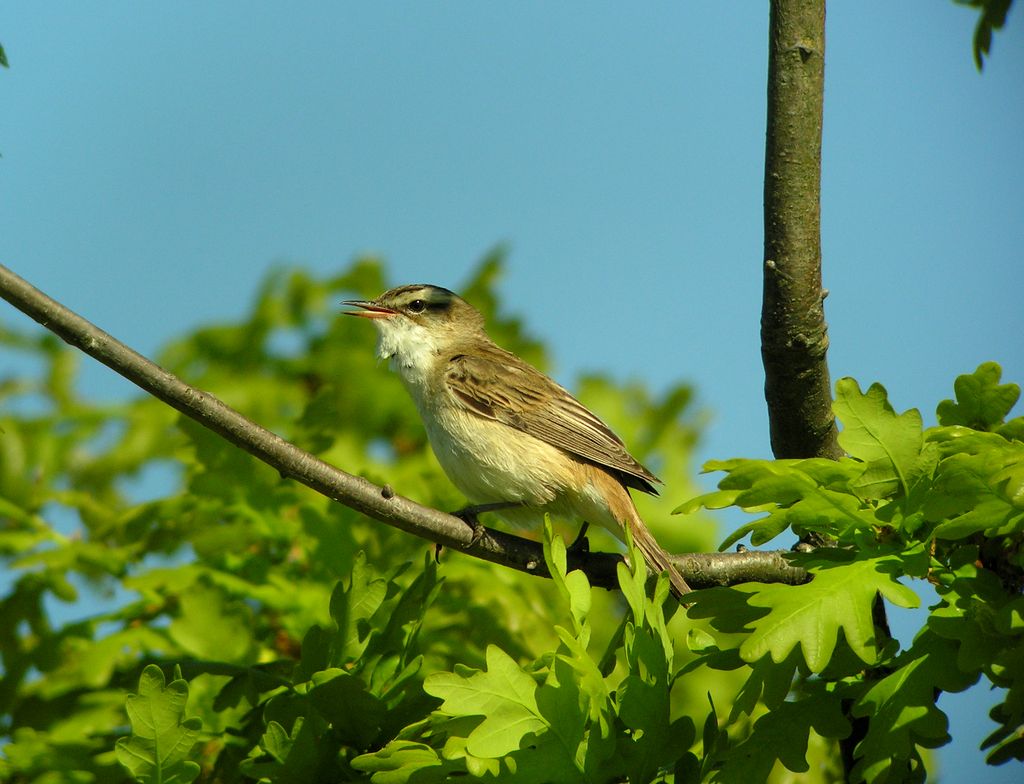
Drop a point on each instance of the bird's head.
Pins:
(418, 322)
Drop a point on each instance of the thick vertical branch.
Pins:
(794, 338)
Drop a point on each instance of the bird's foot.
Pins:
(468, 515)
(580, 545)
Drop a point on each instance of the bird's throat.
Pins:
(410, 349)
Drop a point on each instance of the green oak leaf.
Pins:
(1007, 741)
(873, 432)
(782, 734)
(811, 615)
(1012, 430)
(573, 586)
(562, 752)
(404, 761)
(589, 680)
(769, 683)
(341, 698)
(808, 495)
(529, 727)
(981, 401)
(901, 707)
(643, 701)
(352, 608)
(161, 739)
(212, 626)
(1010, 619)
(293, 757)
(981, 492)
(503, 694)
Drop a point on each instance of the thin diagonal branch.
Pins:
(380, 503)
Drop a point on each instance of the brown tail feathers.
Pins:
(623, 510)
(656, 558)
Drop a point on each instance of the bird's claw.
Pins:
(478, 533)
(580, 545)
(469, 514)
(469, 517)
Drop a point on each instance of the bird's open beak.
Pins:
(369, 309)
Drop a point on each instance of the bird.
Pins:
(511, 439)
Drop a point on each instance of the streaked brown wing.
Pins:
(502, 387)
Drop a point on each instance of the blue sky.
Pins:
(158, 158)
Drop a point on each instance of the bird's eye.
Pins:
(417, 306)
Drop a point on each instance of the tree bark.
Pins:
(381, 503)
(794, 337)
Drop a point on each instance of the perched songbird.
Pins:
(508, 436)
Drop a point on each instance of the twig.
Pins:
(380, 503)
